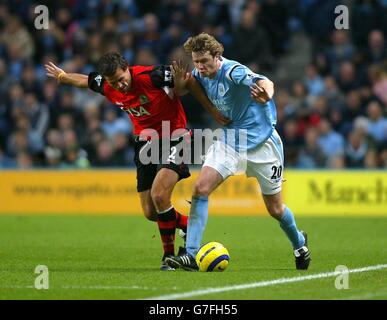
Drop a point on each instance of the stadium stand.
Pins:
(331, 91)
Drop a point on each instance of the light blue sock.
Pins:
(288, 225)
(196, 224)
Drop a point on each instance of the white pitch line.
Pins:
(259, 284)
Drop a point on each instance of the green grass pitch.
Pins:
(118, 257)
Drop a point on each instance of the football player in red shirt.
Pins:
(148, 95)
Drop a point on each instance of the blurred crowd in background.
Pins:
(333, 116)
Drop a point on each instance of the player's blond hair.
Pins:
(203, 42)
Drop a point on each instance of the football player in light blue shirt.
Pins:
(246, 98)
(230, 91)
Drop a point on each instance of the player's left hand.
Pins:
(180, 74)
(259, 94)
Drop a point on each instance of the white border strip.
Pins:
(252, 285)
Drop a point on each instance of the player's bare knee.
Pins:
(150, 214)
(201, 189)
(275, 210)
(160, 199)
(157, 198)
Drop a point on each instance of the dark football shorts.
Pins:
(146, 173)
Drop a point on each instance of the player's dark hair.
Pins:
(202, 43)
(109, 62)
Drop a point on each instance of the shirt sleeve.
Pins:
(95, 82)
(240, 74)
(161, 76)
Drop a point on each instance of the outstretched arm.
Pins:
(196, 90)
(185, 82)
(74, 79)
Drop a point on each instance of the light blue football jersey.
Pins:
(229, 91)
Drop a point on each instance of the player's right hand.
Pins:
(53, 71)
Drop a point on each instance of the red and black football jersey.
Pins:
(147, 102)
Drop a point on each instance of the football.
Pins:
(212, 256)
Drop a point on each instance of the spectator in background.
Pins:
(275, 17)
(94, 48)
(126, 41)
(5, 84)
(66, 112)
(24, 160)
(52, 157)
(320, 61)
(50, 41)
(34, 143)
(336, 162)
(17, 39)
(376, 50)
(15, 97)
(318, 18)
(145, 57)
(149, 35)
(285, 106)
(340, 51)
(112, 124)
(353, 104)
(54, 139)
(352, 65)
(123, 154)
(29, 81)
(356, 149)
(383, 159)
(292, 141)
(194, 17)
(372, 160)
(378, 78)
(50, 94)
(335, 116)
(172, 11)
(90, 144)
(109, 31)
(352, 109)
(320, 107)
(65, 122)
(313, 81)
(37, 113)
(75, 158)
(332, 92)
(377, 125)
(347, 78)
(367, 15)
(18, 142)
(104, 156)
(70, 139)
(311, 155)
(171, 38)
(251, 44)
(330, 142)
(300, 97)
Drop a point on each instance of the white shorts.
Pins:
(266, 162)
